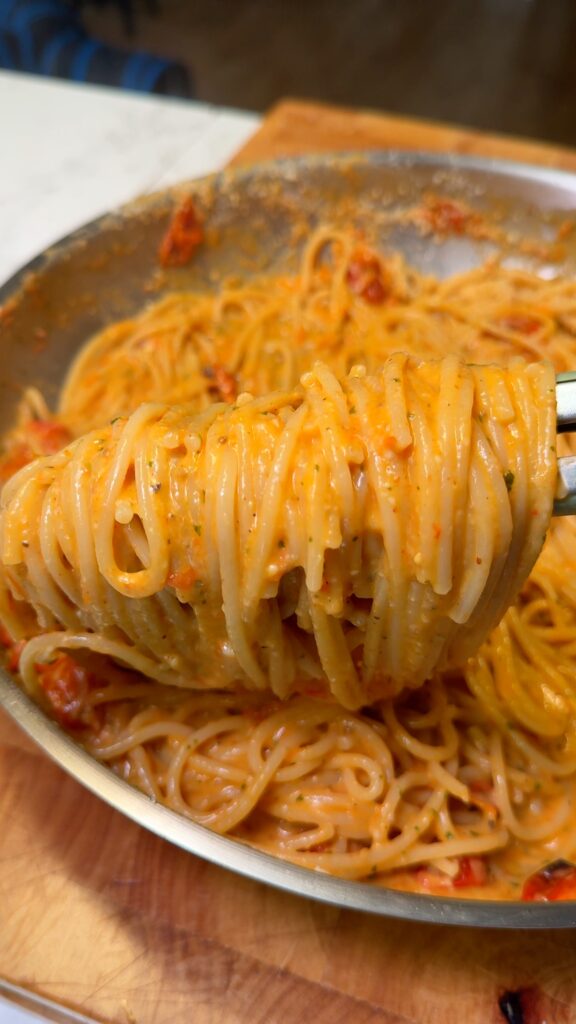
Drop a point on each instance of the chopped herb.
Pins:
(281, 543)
(352, 409)
(316, 467)
(509, 479)
(300, 797)
(198, 529)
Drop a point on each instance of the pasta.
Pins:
(264, 627)
(363, 533)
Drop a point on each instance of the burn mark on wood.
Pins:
(511, 1007)
(531, 1005)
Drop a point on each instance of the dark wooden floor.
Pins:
(507, 65)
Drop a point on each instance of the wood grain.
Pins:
(104, 918)
(293, 127)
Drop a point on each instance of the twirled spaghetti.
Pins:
(362, 533)
(466, 782)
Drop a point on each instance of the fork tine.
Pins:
(565, 499)
(566, 402)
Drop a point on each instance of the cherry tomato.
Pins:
(47, 436)
(365, 277)
(557, 881)
(472, 872)
(66, 684)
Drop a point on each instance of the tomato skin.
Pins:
(42, 437)
(225, 382)
(65, 683)
(48, 436)
(185, 233)
(374, 292)
(557, 881)
(14, 649)
(473, 872)
(182, 579)
(5, 638)
(364, 277)
(13, 663)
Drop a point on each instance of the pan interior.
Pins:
(258, 220)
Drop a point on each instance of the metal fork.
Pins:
(565, 500)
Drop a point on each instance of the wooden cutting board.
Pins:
(101, 917)
(292, 128)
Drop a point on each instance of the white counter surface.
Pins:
(69, 153)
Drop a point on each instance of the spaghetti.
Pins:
(463, 784)
(359, 534)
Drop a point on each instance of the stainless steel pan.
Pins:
(258, 219)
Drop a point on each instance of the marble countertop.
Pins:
(69, 153)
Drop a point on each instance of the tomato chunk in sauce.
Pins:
(185, 233)
(557, 881)
(66, 685)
